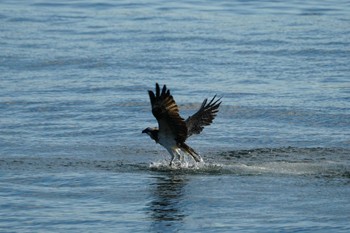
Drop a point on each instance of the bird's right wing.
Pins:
(203, 117)
(166, 111)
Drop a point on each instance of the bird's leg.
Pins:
(176, 157)
(173, 157)
(176, 153)
(181, 156)
(172, 161)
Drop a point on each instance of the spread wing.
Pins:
(204, 116)
(166, 111)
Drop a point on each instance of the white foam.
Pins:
(177, 165)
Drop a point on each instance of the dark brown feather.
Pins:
(203, 117)
(166, 111)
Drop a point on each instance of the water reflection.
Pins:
(166, 208)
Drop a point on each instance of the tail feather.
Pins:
(190, 151)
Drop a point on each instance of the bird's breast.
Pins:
(166, 140)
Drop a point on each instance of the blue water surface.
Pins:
(74, 77)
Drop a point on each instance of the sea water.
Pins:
(73, 98)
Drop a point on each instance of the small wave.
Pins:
(317, 162)
(289, 161)
(274, 169)
(286, 154)
(327, 162)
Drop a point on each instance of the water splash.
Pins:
(185, 164)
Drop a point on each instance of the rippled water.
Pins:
(73, 98)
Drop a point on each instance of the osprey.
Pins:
(173, 130)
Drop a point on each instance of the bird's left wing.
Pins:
(166, 111)
(203, 117)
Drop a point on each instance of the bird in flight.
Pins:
(173, 130)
